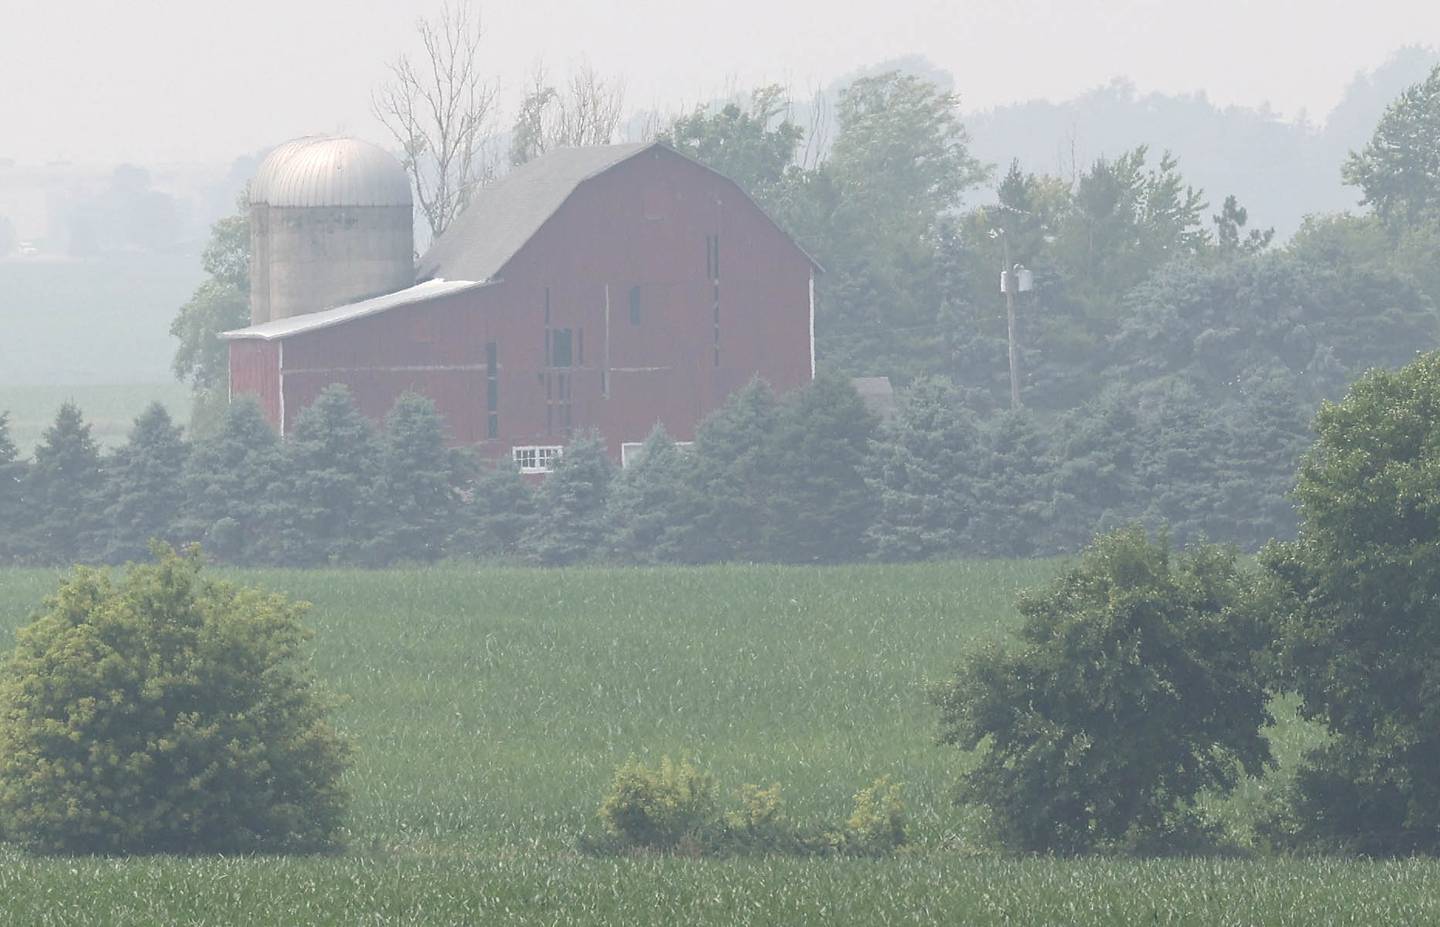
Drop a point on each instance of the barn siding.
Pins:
(255, 370)
(661, 370)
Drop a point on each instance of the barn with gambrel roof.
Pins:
(611, 288)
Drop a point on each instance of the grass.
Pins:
(110, 410)
(489, 708)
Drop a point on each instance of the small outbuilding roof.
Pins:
(311, 321)
(506, 214)
(878, 396)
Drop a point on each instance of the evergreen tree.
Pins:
(734, 473)
(570, 506)
(921, 469)
(14, 515)
(144, 489)
(648, 503)
(63, 491)
(417, 488)
(821, 507)
(500, 512)
(1185, 465)
(232, 483)
(332, 463)
(1097, 480)
(1014, 488)
(1269, 433)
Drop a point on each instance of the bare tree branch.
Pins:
(440, 112)
(586, 111)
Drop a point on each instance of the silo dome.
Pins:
(333, 171)
(331, 222)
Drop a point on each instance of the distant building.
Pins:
(613, 288)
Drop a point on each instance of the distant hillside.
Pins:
(1281, 170)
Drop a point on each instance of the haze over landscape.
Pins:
(792, 463)
(193, 96)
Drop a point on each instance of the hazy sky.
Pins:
(188, 80)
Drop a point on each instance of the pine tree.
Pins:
(1269, 432)
(1185, 466)
(821, 508)
(921, 470)
(417, 492)
(332, 463)
(1097, 479)
(734, 470)
(144, 488)
(232, 483)
(62, 490)
(1014, 489)
(499, 515)
(14, 517)
(648, 503)
(570, 506)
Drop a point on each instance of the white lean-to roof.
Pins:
(311, 321)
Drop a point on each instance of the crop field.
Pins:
(490, 706)
(110, 410)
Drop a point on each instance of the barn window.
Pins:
(630, 451)
(560, 350)
(634, 305)
(536, 458)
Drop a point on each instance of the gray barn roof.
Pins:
(506, 214)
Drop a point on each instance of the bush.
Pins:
(660, 808)
(1136, 687)
(166, 713)
(675, 808)
(1356, 621)
(876, 826)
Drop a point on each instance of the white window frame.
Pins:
(630, 451)
(536, 458)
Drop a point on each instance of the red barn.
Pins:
(612, 288)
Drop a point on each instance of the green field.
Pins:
(489, 708)
(93, 321)
(110, 410)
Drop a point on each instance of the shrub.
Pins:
(1136, 687)
(877, 824)
(674, 808)
(1356, 617)
(166, 713)
(659, 808)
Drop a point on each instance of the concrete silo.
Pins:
(331, 222)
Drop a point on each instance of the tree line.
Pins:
(812, 476)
